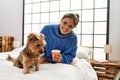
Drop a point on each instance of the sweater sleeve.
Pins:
(69, 54)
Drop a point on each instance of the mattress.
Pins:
(81, 70)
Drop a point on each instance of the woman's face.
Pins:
(66, 25)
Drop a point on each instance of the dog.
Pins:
(30, 55)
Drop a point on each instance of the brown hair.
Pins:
(73, 16)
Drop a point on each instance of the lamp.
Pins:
(108, 50)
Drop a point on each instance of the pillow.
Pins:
(19, 49)
(83, 52)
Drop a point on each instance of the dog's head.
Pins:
(36, 43)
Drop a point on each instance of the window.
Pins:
(92, 29)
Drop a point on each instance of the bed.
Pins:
(81, 70)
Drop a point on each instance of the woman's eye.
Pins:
(70, 26)
(65, 23)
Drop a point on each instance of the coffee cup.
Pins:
(55, 53)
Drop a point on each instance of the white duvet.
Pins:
(82, 70)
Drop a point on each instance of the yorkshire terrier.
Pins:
(30, 55)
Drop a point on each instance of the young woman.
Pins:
(61, 37)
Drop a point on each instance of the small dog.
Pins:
(30, 55)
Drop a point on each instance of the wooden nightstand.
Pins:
(109, 70)
(6, 43)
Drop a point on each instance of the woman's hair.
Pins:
(73, 16)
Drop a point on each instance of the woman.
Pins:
(61, 37)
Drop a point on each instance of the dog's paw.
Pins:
(26, 72)
(37, 69)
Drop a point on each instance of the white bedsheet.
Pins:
(82, 70)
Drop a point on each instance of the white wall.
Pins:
(115, 29)
(11, 18)
(11, 22)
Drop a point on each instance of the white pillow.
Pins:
(19, 49)
(83, 52)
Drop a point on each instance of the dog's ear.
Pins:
(32, 37)
(42, 36)
(35, 36)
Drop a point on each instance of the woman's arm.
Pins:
(69, 54)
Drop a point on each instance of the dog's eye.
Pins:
(38, 45)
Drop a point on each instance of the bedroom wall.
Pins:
(11, 23)
(115, 29)
(11, 18)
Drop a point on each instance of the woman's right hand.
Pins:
(57, 57)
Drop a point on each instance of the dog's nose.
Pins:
(41, 51)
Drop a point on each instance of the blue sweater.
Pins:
(67, 43)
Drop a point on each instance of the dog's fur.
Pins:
(30, 55)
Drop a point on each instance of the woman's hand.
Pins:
(57, 57)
